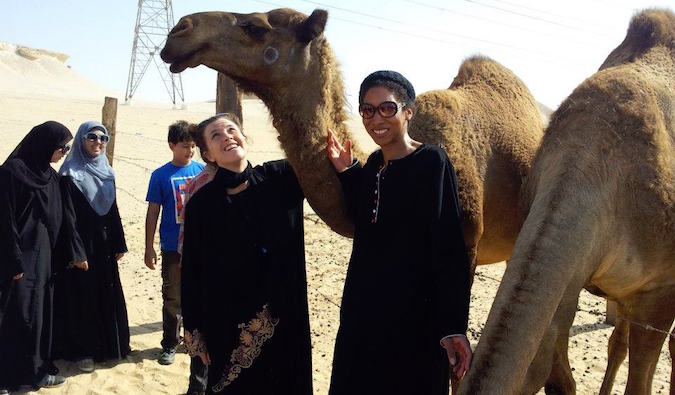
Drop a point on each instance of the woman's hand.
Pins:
(119, 256)
(206, 359)
(340, 157)
(82, 265)
(18, 277)
(459, 354)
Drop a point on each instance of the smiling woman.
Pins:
(244, 242)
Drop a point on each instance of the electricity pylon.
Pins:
(153, 24)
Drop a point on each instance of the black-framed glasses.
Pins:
(64, 149)
(387, 109)
(91, 136)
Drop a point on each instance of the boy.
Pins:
(167, 190)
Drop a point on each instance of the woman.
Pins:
(91, 316)
(406, 296)
(35, 217)
(244, 291)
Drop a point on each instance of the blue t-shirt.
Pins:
(167, 188)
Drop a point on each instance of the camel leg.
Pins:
(616, 352)
(645, 344)
(551, 367)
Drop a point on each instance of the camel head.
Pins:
(262, 52)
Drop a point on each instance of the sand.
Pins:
(33, 91)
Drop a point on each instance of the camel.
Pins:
(601, 216)
(487, 119)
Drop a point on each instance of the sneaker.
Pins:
(85, 365)
(51, 380)
(167, 356)
(4, 391)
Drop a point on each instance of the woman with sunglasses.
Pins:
(91, 315)
(36, 233)
(243, 285)
(405, 302)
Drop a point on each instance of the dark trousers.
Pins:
(171, 313)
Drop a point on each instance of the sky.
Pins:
(551, 45)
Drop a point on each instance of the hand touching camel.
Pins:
(340, 157)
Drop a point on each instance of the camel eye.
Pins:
(256, 32)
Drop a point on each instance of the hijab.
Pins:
(94, 177)
(30, 160)
(29, 163)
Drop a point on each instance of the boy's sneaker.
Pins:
(85, 365)
(167, 356)
(4, 391)
(51, 380)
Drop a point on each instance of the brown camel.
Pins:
(601, 216)
(487, 120)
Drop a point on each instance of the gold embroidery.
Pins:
(251, 339)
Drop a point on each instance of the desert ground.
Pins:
(36, 87)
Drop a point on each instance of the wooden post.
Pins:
(610, 318)
(109, 120)
(228, 97)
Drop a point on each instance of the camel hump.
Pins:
(648, 29)
(479, 72)
(478, 67)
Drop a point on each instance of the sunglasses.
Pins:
(387, 109)
(64, 149)
(91, 136)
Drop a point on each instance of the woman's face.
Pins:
(385, 131)
(61, 151)
(94, 143)
(225, 144)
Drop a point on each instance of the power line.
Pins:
(427, 28)
(522, 6)
(496, 22)
(546, 57)
(534, 17)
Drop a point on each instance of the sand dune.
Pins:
(33, 91)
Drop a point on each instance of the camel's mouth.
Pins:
(182, 62)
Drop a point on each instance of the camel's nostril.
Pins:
(183, 26)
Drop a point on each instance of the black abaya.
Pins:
(90, 311)
(243, 281)
(407, 284)
(34, 202)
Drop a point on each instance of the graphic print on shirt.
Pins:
(179, 186)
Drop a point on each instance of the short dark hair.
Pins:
(179, 132)
(197, 131)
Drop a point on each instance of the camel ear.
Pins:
(312, 27)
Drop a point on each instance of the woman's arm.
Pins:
(71, 245)
(10, 262)
(191, 284)
(119, 241)
(450, 262)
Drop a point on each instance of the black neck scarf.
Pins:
(229, 179)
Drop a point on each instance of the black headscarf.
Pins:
(30, 160)
(29, 164)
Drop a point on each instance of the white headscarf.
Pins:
(93, 176)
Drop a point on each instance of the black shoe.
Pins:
(51, 380)
(190, 392)
(167, 356)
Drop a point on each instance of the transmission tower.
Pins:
(153, 24)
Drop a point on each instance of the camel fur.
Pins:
(487, 120)
(601, 203)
